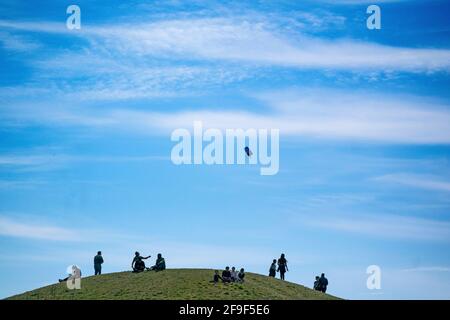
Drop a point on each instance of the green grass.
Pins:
(175, 284)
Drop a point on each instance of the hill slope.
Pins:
(174, 284)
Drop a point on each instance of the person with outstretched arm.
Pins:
(138, 264)
(216, 277)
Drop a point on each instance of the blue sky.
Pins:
(364, 119)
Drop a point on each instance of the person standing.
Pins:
(282, 266)
(323, 282)
(98, 261)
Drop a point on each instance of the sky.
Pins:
(86, 117)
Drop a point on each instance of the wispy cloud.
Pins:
(319, 113)
(18, 229)
(17, 43)
(33, 227)
(240, 40)
(416, 181)
(45, 162)
(384, 226)
(428, 269)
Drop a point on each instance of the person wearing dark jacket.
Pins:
(160, 264)
(282, 266)
(317, 284)
(98, 261)
(323, 282)
(138, 265)
(226, 275)
(241, 275)
(273, 268)
(216, 277)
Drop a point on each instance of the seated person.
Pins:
(273, 268)
(138, 264)
(317, 284)
(216, 277)
(76, 273)
(234, 274)
(226, 275)
(241, 275)
(160, 263)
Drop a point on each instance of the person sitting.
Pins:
(76, 273)
(216, 277)
(241, 275)
(273, 268)
(323, 283)
(234, 274)
(317, 284)
(160, 264)
(226, 275)
(138, 264)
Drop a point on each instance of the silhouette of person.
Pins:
(317, 284)
(216, 277)
(138, 264)
(273, 268)
(98, 260)
(241, 275)
(282, 266)
(323, 282)
(234, 274)
(160, 263)
(226, 275)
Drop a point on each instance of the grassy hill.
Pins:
(174, 284)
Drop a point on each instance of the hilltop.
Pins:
(174, 284)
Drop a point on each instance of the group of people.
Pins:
(229, 276)
(321, 283)
(280, 266)
(138, 264)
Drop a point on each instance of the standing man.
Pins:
(323, 282)
(98, 260)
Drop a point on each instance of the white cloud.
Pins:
(416, 181)
(236, 40)
(17, 43)
(50, 162)
(33, 227)
(384, 226)
(17, 229)
(325, 114)
(319, 113)
(428, 269)
(248, 40)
